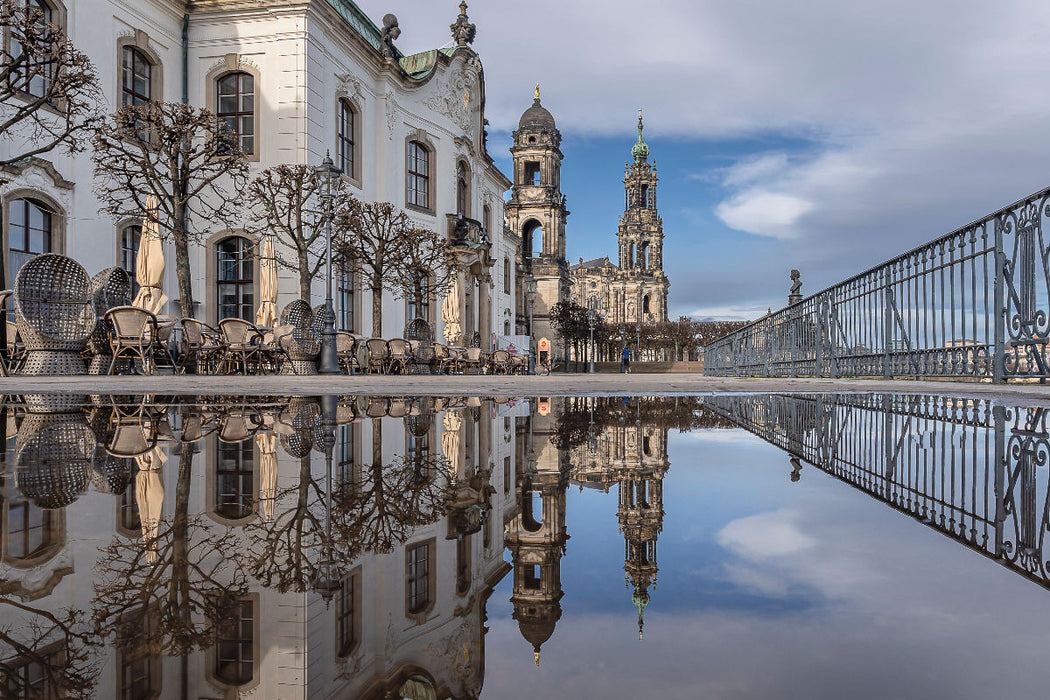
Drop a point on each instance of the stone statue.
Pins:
(795, 295)
(390, 32)
(462, 30)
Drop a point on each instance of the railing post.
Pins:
(999, 316)
(999, 475)
(887, 322)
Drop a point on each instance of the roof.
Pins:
(597, 262)
(536, 117)
(359, 21)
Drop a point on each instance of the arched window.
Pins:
(29, 232)
(345, 138)
(630, 256)
(643, 256)
(418, 168)
(234, 650)
(236, 106)
(235, 480)
(235, 278)
(130, 237)
(532, 239)
(31, 532)
(645, 304)
(34, 75)
(136, 77)
(462, 189)
(486, 216)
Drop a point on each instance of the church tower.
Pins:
(641, 240)
(536, 212)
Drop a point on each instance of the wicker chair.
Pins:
(442, 360)
(298, 341)
(499, 362)
(5, 361)
(398, 356)
(53, 458)
(346, 352)
(109, 289)
(201, 346)
(54, 314)
(377, 354)
(134, 336)
(419, 333)
(378, 407)
(240, 345)
(472, 360)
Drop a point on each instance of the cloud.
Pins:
(764, 536)
(764, 213)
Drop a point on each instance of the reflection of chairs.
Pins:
(53, 461)
(54, 314)
(398, 408)
(377, 354)
(134, 336)
(109, 289)
(377, 407)
(131, 436)
(237, 425)
(240, 340)
(398, 355)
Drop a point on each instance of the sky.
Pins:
(821, 135)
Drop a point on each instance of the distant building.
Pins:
(636, 287)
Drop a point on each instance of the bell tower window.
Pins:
(532, 173)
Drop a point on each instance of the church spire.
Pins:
(641, 149)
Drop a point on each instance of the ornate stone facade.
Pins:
(636, 287)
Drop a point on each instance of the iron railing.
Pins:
(970, 469)
(973, 303)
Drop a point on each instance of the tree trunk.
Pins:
(304, 276)
(182, 265)
(377, 311)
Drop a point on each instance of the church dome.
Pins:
(536, 117)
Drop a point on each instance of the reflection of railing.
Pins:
(962, 466)
(972, 303)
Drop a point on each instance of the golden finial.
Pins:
(537, 655)
(537, 95)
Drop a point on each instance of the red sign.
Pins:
(545, 345)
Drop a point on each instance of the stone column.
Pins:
(485, 311)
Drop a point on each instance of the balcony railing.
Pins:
(973, 303)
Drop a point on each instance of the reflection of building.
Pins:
(536, 537)
(636, 287)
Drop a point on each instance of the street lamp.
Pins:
(328, 579)
(530, 294)
(592, 318)
(638, 338)
(327, 176)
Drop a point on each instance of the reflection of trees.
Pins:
(190, 589)
(377, 509)
(683, 413)
(47, 654)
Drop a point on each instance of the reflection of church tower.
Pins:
(536, 211)
(641, 242)
(536, 539)
(641, 516)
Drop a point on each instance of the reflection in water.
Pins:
(227, 545)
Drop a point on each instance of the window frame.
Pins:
(348, 617)
(245, 256)
(24, 204)
(414, 177)
(124, 252)
(212, 665)
(55, 14)
(351, 139)
(463, 189)
(416, 583)
(126, 92)
(238, 113)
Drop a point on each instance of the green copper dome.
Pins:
(640, 151)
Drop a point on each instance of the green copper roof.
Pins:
(640, 151)
(359, 21)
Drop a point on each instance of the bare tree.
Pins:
(49, 90)
(284, 203)
(428, 267)
(184, 157)
(388, 248)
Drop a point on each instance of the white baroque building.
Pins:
(298, 79)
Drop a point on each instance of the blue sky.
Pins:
(818, 134)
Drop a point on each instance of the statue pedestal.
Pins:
(794, 299)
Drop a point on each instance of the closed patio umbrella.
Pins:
(267, 443)
(450, 442)
(266, 314)
(450, 314)
(149, 496)
(149, 263)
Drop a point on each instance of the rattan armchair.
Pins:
(241, 344)
(472, 360)
(200, 347)
(54, 314)
(134, 335)
(377, 355)
(499, 362)
(398, 356)
(346, 352)
(109, 289)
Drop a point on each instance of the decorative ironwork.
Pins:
(972, 303)
(973, 470)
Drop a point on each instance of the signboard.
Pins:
(545, 406)
(515, 344)
(545, 345)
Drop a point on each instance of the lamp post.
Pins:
(638, 337)
(328, 579)
(592, 318)
(530, 293)
(327, 175)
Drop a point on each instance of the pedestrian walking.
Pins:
(625, 364)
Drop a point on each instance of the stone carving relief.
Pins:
(392, 108)
(350, 86)
(457, 95)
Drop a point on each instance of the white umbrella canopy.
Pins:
(267, 443)
(450, 442)
(266, 314)
(450, 314)
(149, 263)
(149, 497)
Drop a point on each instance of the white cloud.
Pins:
(764, 213)
(764, 536)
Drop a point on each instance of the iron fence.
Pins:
(972, 303)
(974, 471)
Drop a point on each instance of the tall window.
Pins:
(486, 215)
(463, 565)
(419, 301)
(345, 610)
(29, 232)
(506, 275)
(235, 646)
(462, 189)
(236, 107)
(235, 480)
(417, 577)
(235, 278)
(345, 297)
(136, 78)
(139, 669)
(346, 468)
(34, 75)
(30, 530)
(29, 677)
(130, 238)
(645, 304)
(532, 172)
(418, 175)
(345, 147)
